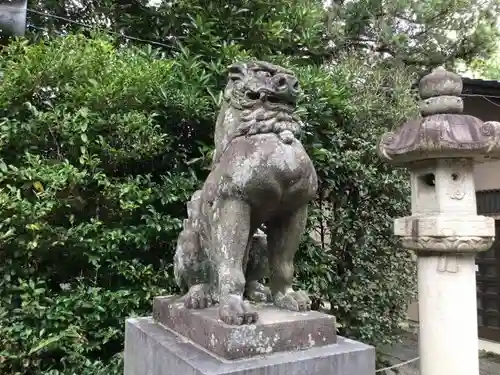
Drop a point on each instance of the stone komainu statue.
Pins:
(261, 175)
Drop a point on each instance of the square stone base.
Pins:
(276, 330)
(152, 349)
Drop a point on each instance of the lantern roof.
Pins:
(443, 131)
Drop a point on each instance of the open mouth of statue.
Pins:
(272, 99)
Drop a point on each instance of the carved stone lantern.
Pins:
(440, 150)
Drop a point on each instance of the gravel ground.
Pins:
(408, 349)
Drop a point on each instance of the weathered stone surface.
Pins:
(443, 132)
(13, 17)
(440, 82)
(151, 349)
(276, 331)
(441, 104)
(261, 177)
(444, 225)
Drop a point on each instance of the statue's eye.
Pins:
(252, 95)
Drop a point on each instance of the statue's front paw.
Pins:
(198, 297)
(234, 310)
(258, 292)
(293, 300)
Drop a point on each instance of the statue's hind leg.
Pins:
(230, 233)
(192, 269)
(283, 238)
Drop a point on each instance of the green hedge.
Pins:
(100, 148)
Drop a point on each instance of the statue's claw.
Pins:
(293, 300)
(257, 292)
(234, 310)
(199, 296)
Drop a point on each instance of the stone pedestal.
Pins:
(178, 341)
(446, 246)
(276, 330)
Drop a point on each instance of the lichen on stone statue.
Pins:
(261, 178)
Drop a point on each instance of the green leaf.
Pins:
(45, 343)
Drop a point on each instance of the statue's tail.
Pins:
(187, 259)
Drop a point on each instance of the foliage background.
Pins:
(102, 144)
(487, 68)
(417, 33)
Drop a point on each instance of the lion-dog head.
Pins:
(259, 98)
